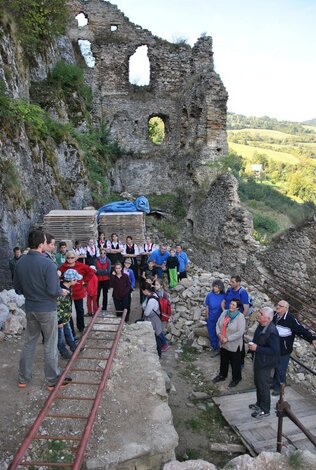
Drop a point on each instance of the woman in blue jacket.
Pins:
(213, 311)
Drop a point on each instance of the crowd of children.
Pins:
(91, 269)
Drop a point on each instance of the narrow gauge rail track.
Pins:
(59, 435)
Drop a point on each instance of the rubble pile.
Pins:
(12, 317)
(188, 322)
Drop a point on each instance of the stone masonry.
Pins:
(184, 91)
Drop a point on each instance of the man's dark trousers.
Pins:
(262, 383)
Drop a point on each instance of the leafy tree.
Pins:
(156, 130)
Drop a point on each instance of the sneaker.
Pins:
(66, 356)
(218, 378)
(22, 385)
(165, 347)
(275, 393)
(66, 382)
(259, 414)
(254, 406)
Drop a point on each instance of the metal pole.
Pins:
(280, 414)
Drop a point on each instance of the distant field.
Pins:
(264, 133)
(247, 151)
(311, 128)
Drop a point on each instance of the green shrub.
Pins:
(38, 22)
(265, 222)
(67, 76)
(100, 152)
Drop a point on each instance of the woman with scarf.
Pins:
(230, 329)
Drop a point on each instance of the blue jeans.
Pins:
(37, 322)
(162, 339)
(280, 372)
(70, 340)
(65, 336)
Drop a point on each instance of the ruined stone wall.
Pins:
(184, 91)
(291, 259)
(220, 228)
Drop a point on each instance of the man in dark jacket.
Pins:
(288, 326)
(266, 348)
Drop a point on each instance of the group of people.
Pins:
(53, 282)
(227, 315)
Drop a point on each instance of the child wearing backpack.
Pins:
(64, 310)
(152, 314)
(164, 302)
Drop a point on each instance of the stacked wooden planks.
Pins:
(124, 224)
(72, 224)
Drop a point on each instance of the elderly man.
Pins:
(288, 326)
(266, 349)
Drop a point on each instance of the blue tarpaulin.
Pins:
(140, 204)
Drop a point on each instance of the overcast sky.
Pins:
(264, 50)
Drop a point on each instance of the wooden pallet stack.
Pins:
(72, 224)
(124, 224)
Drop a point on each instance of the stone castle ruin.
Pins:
(184, 91)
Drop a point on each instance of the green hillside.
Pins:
(249, 151)
(281, 191)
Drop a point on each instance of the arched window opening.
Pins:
(82, 19)
(85, 48)
(156, 130)
(114, 27)
(139, 67)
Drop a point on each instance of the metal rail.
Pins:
(283, 409)
(65, 411)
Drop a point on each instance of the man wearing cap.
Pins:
(288, 326)
(36, 278)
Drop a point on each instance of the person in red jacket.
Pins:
(121, 288)
(103, 266)
(78, 290)
(92, 292)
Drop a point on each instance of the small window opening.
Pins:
(156, 130)
(85, 48)
(82, 20)
(114, 27)
(139, 67)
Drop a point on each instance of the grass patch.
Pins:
(188, 354)
(296, 460)
(208, 422)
